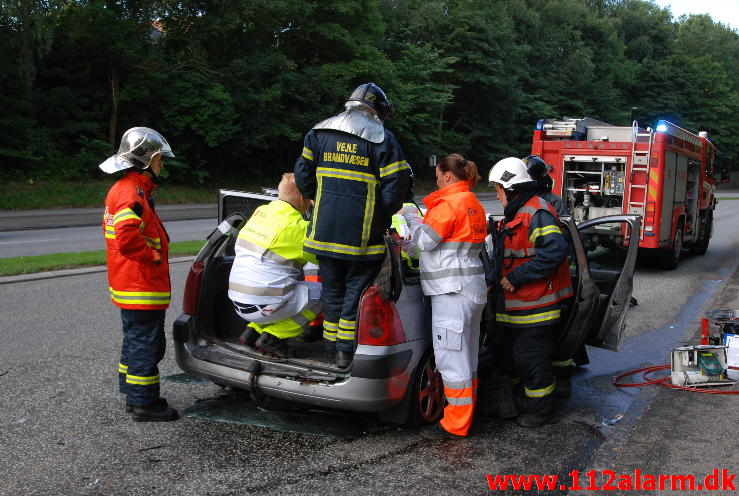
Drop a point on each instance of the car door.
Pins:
(577, 312)
(610, 244)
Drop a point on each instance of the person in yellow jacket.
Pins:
(265, 283)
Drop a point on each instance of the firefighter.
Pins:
(562, 365)
(355, 171)
(451, 237)
(264, 283)
(534, 277)
(138, 271)
(539, 172)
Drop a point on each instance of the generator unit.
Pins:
(700, 365)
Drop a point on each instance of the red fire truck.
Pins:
(665, 174)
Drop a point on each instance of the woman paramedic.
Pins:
(451, 236)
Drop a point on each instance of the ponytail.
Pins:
(462, 168)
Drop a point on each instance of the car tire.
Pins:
(427, 396)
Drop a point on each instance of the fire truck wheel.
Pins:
(671, 260)
(702, 247)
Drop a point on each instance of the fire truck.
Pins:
(665, 175)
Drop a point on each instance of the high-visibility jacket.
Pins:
(137, 246)
(357, 186)
(451, 238)
(269, 255)
(535, 263)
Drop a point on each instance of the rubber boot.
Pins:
(273, 345)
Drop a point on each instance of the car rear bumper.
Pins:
(378, 381)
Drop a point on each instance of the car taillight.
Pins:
(379, 323)
(649, 217)
(192, 288)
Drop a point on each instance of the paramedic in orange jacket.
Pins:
(138, 270)
(451, 237)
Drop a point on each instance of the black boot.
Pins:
(160, 401)
(249, 337)
(311, 334)
(343, 359)
(273, 345)
(154, 413)
(533, 420)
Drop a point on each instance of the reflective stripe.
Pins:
(369, 213)
(347, 324)
(453, 272)
(140, 297)
(308, 153)
(460, 401)
(546, 299)
(124, 214)
(458, 385)
(394, 167)
(345, 334)
(110, 232)
(543, 231)
(346, 174)
(155, 243)
(528, 319)
(142, 380)
(122, 369)
(460, 245)
(431, 233)
(304, 318)
(266, 253)
(349, 250)
(509, 253)
(526, 209)
(311, 272)
(329, 330)
(539, 393)
(263, 291)
(563, 363)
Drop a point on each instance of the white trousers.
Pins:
(455, 325)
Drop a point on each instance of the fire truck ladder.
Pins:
(640, 162)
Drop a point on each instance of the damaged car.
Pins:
(393, 372)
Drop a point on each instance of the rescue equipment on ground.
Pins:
(700, 365)
(665, 174)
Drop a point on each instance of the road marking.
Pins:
(28, 241)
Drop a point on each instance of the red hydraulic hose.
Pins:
(663, 381)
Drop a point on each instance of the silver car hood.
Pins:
(357, 122)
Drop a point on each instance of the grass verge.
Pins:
(58, 261)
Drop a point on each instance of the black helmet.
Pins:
(372, 95)
(538, 170)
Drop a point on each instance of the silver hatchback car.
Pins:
(393, 371)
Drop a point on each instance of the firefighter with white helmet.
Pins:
(531, 277)
(138, 271)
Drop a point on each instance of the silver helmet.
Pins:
(138, 146)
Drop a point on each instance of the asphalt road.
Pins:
(63, 429)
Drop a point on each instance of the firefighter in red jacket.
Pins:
(534, 277)
(138, 270)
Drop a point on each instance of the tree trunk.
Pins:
(113, 125)
(27, 66)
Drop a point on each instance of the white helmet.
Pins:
(138, 146)
(509, 172)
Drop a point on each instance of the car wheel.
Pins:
(671, 261)
(427, 397)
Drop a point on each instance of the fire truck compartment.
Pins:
(593, 186)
